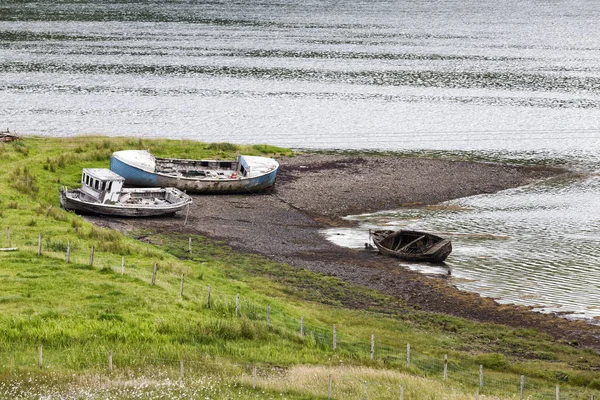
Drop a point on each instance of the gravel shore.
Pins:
(315, 191)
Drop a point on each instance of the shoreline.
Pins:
(315, 191)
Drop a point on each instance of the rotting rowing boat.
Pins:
(412, 245)
(245, 174)
(102, 192)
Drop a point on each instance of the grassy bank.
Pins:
(171, 338)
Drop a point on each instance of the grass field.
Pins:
(81, 317)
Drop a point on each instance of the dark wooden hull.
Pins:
(412, 245)
(171, 201)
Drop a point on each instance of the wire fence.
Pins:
(362, 351)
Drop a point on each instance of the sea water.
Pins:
(514, 81)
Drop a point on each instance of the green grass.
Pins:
(80, 313)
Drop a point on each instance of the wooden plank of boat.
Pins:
(401, 244)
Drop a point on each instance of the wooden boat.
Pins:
(102, 192)
(412, 245)
(245, 174)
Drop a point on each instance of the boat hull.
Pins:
(73, 200)
(398, 244)
(138, 176)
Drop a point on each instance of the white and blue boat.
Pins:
(245, 174)
(102, 193)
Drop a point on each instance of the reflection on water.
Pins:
(537, 245)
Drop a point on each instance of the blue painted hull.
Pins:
(139, 177)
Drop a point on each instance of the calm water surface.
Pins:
(513, 80)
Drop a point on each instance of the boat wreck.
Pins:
(412, 245)
(245, 174)
(102, 193)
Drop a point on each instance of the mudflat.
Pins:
(314, 191)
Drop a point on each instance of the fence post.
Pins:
(557, 392)
(187, 211)
(408, 355)
(181, 372)
(334, 337)
(372, 347)
(522, 387)
(110, 363)
(445, 366)
(401, 392)
(301, 326)
(8, 234)
(154, 275)
(123, 265)
(40, 245)
(237, 305)
(190, 245)
(68, 258)
(208, 297)
(481, 377)
(92, 257)
(254, 377)
(366, 390)
(329, 390)
(181, 286)
(476, 394)
(268, 315)
(40, 356)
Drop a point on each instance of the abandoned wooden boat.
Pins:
(102, 192)
(412, 245)
(245, 174)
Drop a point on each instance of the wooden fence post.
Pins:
(208, 297)
(110, 363)
(522, 387)
(481, 377)
(476, 394)
(92, 257)
(268, 315)
(190, 245)
(181, 371)
(40, 245)
(372, 347)
(181, 286)
(187, 211)
(557, 392)
(366, 390)
(408, 355)
(401, 392)
(123, 265)
(445, 366)
(8, 234)
(40, 356)
(301, 326)
(237, 305)
(68, 257)
(334, 337)
(329, 388)
(254, 377)
(154, 275)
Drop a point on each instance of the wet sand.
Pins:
(314, 191)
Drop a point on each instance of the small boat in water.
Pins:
(245, 174)
(412, 245)
(102, 192)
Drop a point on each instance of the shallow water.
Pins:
(509, 80)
